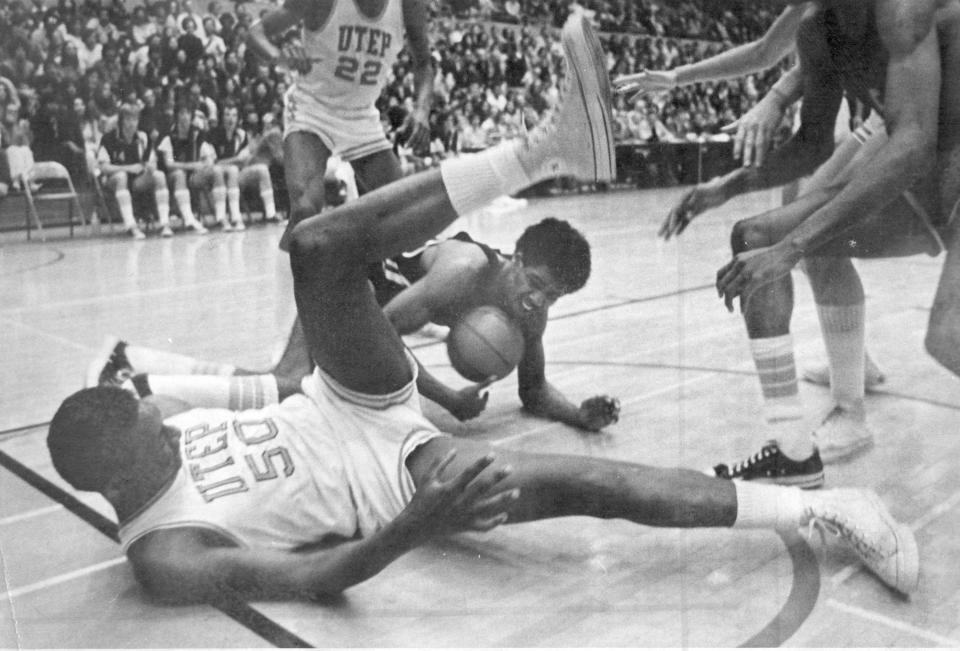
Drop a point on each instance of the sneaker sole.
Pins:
(844, 454)
(583, 50)
(92, 377)
(807, 482)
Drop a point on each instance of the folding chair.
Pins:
(44, 182)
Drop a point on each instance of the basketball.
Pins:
(485, 343)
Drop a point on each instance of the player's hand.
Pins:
(136, 168)
(751, 270)
(754, 131)
(645, 81)
(598, 412)
(698, 200)
(416, 131)
(294, 56)
(465, 502)
(472, 400)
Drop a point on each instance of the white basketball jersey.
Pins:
(352, 55)
(262, 478)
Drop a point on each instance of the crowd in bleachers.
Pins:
(66, 67)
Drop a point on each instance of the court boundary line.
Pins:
(895, 624)
(232, 606)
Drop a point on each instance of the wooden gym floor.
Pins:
(648, 328)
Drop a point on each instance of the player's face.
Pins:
(534, 289)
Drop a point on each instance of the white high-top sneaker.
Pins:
(842, 434)
(576, 139)
(861, 520)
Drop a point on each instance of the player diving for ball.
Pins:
(438, 283)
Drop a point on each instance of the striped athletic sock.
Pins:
(777, 369)
(236, 392)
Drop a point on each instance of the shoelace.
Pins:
(838, 526)
(742, 466)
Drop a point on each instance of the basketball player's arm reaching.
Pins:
(542, 399)
(912, 105)
(758, 55)
(417, 124)
(193, 564)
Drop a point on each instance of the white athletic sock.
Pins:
(183, 202)
(269, 206)
(151, 360)
(219, 194)
(210, 391)
(125, 204)
(777, 369)
(233, 201)
(162, 198)
(474, 180)
(843, 335)
(760, 506)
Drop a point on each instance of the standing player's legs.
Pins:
(371, 172)
(305, 162)
(838, 292)
(897, 230)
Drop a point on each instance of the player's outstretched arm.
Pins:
(183, 565)
(542, 399)
(765, 52)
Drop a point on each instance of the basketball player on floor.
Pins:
(352, 463)
(836, 286)
(345, 53)
(895, 198)
(438, 283)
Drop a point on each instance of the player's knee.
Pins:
(748, 235)
(159, 181)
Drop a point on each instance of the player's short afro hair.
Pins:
(83, 431)
(561, 248)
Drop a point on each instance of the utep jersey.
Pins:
(262, 478)
(352, 55)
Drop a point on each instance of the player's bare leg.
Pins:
(549, 486)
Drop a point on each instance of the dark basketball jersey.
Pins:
(184, 150)
(114, 150)
(228, 146)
